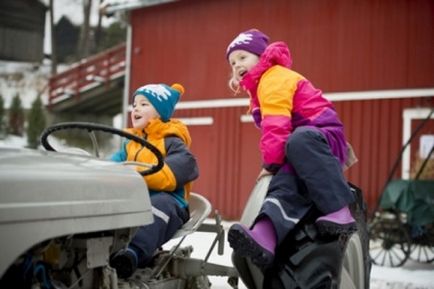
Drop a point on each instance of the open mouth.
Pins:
(137, 117)
(242, 73)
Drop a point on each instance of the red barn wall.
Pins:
(340, 45)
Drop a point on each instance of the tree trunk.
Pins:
(98, 29)
(84, 43)
(53, 41)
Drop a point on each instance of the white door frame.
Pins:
(408, 115)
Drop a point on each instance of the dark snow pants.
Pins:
(313, 176)
(168, 218)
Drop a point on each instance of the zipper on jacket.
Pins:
(145, 138)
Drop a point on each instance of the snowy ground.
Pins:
(410, 276)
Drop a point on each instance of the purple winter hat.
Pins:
(253, 41)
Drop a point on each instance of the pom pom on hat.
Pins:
(162, 97)
(253, 41)
(178, 87)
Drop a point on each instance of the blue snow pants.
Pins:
(168, 218)
(312, 176)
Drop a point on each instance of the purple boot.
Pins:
(257, 244)
(336, 223)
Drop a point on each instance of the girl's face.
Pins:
(241, 62)
(143, 112)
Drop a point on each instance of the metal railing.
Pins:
(90, 72)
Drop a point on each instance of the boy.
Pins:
(153, 105)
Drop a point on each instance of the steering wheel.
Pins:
(91, 127)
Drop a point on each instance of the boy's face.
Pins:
(241, 62)
(143, 112)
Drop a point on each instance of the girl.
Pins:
(302, 144)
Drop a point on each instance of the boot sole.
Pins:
(245, 246)
(123, 266)
(326, 228)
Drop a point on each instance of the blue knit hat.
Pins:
(162, 97)
(253, 41)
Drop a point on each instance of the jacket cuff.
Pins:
(272, 168)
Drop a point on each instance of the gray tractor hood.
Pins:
(44, 195)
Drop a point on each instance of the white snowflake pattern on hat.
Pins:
(158, 91)
(242, 38)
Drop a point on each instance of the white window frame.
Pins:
(408, 115)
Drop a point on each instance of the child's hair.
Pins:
(234, 85)
(253, 41)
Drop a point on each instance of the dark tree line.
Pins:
(13, 121)
(74, 42)
(67, 36)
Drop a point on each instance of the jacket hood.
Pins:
(277, 53)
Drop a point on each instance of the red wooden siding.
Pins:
(341, 45)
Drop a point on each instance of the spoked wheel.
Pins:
(422, 249)
(422, 253)
(390, 242)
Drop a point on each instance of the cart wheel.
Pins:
(390, 242)
(422, 253)
(422, 249)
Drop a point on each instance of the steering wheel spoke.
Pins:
(91, 128)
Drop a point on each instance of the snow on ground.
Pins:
(412, 275)
(13, 141)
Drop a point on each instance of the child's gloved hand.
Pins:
(256, 114)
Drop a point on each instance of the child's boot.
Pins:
(336, 223)
(258, 244)
(124, 262)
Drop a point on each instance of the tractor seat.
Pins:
(200, 208)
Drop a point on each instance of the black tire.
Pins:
(314, 262)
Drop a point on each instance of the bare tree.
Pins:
(53, 41)
(98, 27)
(84, 42)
